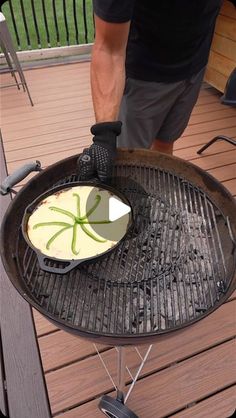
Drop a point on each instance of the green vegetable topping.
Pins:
(78, 220)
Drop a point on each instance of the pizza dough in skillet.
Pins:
(53, 229)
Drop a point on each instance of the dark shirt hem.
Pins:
(111, 19)
(158, 78)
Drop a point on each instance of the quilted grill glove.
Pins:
(97, 160)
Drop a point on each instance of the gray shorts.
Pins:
(151, 110)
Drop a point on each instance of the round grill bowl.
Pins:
(174, 268)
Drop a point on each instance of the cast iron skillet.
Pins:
(68, 265)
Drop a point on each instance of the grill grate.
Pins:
(168, 272)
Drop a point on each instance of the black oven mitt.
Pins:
(97, 160)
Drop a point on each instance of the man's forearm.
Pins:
(107, 83)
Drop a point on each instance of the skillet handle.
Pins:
(19, 175)
(70, 265)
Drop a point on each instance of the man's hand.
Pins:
(97, 161)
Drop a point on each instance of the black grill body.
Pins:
(176, 265)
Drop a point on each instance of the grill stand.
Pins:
(115, 408)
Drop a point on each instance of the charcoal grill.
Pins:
(176, 265)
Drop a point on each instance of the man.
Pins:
(147, 67)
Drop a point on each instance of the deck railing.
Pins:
(37, 24)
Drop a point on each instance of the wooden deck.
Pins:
(190, 374)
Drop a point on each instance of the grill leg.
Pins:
(116, 408)
(121, 374)
(135, 378)
(121, 367)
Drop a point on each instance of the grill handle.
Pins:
(19, 175)
(70, 265)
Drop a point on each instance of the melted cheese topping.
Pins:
(84, 246)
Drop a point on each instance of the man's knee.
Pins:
(162, 146)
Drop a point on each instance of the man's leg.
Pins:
(165, 147)
(145, 106)
(178, 117)
(157, 110)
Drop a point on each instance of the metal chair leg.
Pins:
(10, 66)
(217, 138)
(8, 44)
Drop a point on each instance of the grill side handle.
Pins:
(19, 175)
(68, 266)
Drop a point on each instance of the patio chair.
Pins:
(229, 99)
(9, 52)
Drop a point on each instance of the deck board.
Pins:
(177, 374)
(55, 353)
(209, 371)
(42, 325)
(88, 375)
(218, 406)
(3, 397)
(156, 402)
(26, 393)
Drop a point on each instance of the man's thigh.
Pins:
(178, 117)
(145, 109)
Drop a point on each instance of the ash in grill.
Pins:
(169, 271)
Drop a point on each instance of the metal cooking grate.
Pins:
(171, 269)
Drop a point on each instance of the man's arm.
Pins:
(108, 68)
(107, 83)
